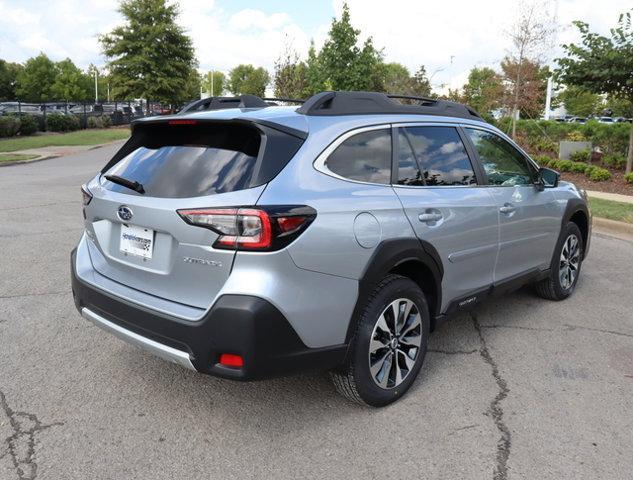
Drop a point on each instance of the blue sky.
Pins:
(448, 37)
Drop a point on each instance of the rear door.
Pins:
(439, 189)
(529, 219)
(139, 239)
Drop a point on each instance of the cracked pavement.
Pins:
(520, 388)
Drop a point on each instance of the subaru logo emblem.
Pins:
(125, 213)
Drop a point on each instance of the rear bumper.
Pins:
(238, 324)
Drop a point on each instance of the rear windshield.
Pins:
(181, 161)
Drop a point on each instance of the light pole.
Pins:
(96, 88)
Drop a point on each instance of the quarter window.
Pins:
(433, 156)
(504, 165)
(365, 157)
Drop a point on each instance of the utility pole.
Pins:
(212, 75)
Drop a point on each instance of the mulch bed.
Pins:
(617, 184)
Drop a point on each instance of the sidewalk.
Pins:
(45, 153)
(614, 197)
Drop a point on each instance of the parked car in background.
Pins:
(580, 120)
(15, 108)
(606, 120)
(257, 241)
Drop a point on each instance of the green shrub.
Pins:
(579, 167)
(599, 174)
(560, 164)
(576, 136)
(9, 125)
(93, 122)
(564, 165)
(28, 125)
(579, 156)
(614, 160)
(544, 145)
(103, 121)
(58, 122)
(542, 160)
(629, 177)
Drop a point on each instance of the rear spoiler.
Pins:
(285, 140)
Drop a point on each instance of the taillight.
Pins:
(86, 195)
(250, 228)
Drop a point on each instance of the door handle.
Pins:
(507, 208)
(430, 217)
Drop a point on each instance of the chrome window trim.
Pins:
(319, 163)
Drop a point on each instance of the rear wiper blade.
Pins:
(137, 187)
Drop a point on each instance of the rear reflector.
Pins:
(231, 360)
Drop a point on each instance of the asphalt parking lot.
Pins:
(521, 388)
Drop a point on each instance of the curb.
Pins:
(48, 157)
(613, 228)
(32, 160)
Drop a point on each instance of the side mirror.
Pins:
(548, 177)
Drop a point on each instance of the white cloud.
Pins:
(415, 32)
(412, 32)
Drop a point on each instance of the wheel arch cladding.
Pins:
(412, 258)
(578, 213)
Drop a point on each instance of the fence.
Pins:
(119, 112)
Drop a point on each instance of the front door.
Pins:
(529, 218)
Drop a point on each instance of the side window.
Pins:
(433, 156)
(504, 165)
(365, 157)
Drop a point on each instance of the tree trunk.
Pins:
(629, 158)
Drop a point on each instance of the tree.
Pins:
(421, 85)
(246, 79)
(602, 64)
(484, 90)
(346, 66)
(315, 75)
(393, 78)
(530, 36)
(35, 80)
(528, 95)
(149, 56)
(213, 83)
(579, 101)
(9, 79)
(621, 107)
(70, 82)
(290, 80)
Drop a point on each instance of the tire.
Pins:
(386, 381)
(558, 286)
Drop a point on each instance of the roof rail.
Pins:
(221, 103)
(359, 103)
(284, 100)
(343, 103)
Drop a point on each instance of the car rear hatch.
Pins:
(136, 236)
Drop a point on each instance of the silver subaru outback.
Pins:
(244, 239)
